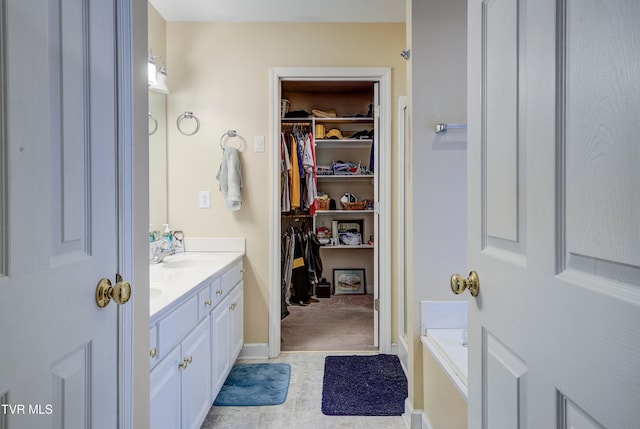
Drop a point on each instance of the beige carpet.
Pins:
(339, 323)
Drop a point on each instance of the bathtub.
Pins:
(444, 364)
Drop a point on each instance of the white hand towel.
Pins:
(230, 178)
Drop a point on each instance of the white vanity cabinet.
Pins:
(196, 371)
(166, 394)
(194, 342)
(180, 395)
(236, 309)
(220, 340)
(227, 336)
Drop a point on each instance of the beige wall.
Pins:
(220, 72)
(157, 28)
(437, 90)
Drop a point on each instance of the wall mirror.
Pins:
(158, 208)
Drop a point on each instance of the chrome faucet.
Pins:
(161, 252)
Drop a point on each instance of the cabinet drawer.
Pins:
(216, 293)
(205, 302)
(173, 327)
(229, 279)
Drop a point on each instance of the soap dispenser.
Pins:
(167, 236)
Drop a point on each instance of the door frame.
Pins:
(132, 211)
(401, 230)
(382, 75)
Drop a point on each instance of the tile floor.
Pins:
(303, 407)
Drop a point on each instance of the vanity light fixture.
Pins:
(157, 76)
(151, 70)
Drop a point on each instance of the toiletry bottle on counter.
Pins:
(168, 236)
(152, 234)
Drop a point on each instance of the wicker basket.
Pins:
(360, 205)
(323, 204)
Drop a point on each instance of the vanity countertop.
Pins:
(172, 279)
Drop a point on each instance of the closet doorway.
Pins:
(344, 114)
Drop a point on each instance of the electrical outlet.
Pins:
(205, 200)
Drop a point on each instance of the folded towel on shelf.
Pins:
(230, 178)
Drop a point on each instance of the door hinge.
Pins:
(376, 304)
(376, 111)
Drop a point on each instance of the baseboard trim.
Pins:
(402, 351)
(412, 418)
(426, 424)
(255, 351)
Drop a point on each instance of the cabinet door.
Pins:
(153, 346)
(236, 321)
(165, 392)
(196, 376)
(220, 355)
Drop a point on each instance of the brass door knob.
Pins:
(459, 283)
(120, 293)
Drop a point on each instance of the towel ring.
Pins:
(153, 129)
(188, 115)
(231, 133)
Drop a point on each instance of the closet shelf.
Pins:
(343, 212)
(351, 177)
(343, 143)
(364, 120)
(344, 247)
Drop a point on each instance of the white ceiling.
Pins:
(282, 10)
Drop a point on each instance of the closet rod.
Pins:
(301, 216)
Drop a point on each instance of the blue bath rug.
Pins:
(255, 384)
(363, 386)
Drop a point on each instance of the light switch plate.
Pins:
(258, 144)
(205, 199)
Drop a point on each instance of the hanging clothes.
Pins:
(301, 266)
(314, 262)
(299, 272)
(309, 166)
(285, 171)
(299, 258)
(298, 169)
(294, 175)
(286, 262)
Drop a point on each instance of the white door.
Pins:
(554, 208)
(58, 214)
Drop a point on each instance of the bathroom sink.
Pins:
(186, 260)
(180, 263)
